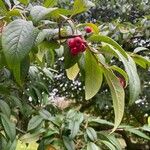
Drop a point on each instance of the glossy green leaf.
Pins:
(39, 12)
(93, 75)
(91, 134)
(4, 108)
(9, 127)
(17, 40)
(118, 95)
(34, 122)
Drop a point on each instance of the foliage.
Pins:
(33, 37)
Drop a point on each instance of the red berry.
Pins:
(71, 42)
(82, 48)
(74, 51)
(88, 29)
(122, 82)
(78, 41)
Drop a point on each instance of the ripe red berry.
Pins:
(88, 29)
(71, 42)
(82, 48)
(78, 41)
(122, 82)
(74, 51)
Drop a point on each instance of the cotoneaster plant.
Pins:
(32, 37)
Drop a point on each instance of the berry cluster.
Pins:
(76, 45)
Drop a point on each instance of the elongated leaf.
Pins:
(141, 61)
(4, 108)
(138, 133)
(69, 144)
(39, 12)
(139, 49)
(45, 114)
(9, 127)
(17, 40)
(50, 3)
(92, 146)
(108, 144)
(118, 96)
(108, 40)
(93, 75)
(34, 122)
(91, 134)
(72, 72)
(134, 81)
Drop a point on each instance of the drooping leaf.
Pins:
(4, 108)
(93, 75)
(39, 12)
(9, 127)
(118, 95)
(34, 122)
(139, 49)
(108, 40)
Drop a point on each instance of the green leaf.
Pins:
(109, 145)
(3, 9)
(138, 133)
(17, 40)
(5, 109)
(93, 75)
(118, 95)
(92, 146)
(91, 134)
(13, 145)
(29, 138)
(108, 40)
(146, 128)
(69, 144)
(81, 6)
(72, 72)
(9, 127)
(39, 12)
(139, 49)
(141, 61)
(45, 114)
(50, 3)
(46, 34)
(134, 81)
(100, 121)
(34, 122)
